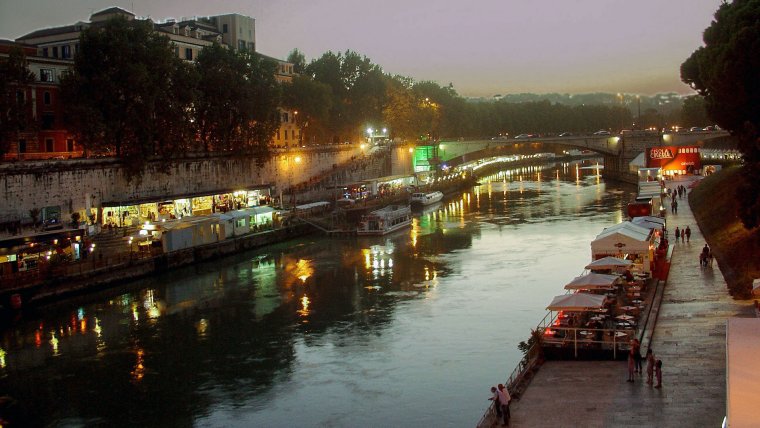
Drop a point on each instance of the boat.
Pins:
(422, 199)
(385, 220)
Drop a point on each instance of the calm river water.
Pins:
(406, 330)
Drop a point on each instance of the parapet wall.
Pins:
(76, 185)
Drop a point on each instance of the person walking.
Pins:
(678, 234)
(688, 233)
(631, 366)
(683, 235)
(675, 207)
(504, 399)
(650, 366)
(658, 373)
(636, 350)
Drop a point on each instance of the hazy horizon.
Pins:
(484, 48)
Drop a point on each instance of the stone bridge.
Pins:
(618, 150)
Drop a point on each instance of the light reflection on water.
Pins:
(405, 330)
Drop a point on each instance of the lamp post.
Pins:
(638, 101)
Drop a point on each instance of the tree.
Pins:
(15, 78)
(236, 101)
(313, 102)
(126, 93)
(298, 60)
(693, 112)
(725, 72)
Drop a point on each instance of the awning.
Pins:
(577, 302)
(608, 262)
(593, 281)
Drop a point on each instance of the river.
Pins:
(406, 330)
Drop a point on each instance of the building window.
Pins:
(45, 52)
(69, 145)
(286, 134)
(55, 51)
(46, 97)
(76, 48)
(20, 98)
(66, 52)
(48, 120)
(22, 146)
(46, 75)
(241, 45)
(224, 28)
(285, 117)
(278, 134)
(176, 51)
(48, 144)
(188, 54)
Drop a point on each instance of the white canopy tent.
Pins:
(607, 263)
(577, 302)
(626, 240)
(650, 222)
(593, 281)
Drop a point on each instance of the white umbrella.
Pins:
(577, 302)
(593, 281)
(756, 287)
(608, 262)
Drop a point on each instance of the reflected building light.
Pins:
(138, 372)
(98, 331)
(2, 358)
(54, 343)
(38, 338)
(304, 311)
(135, 314)
(80, 314)
(83, 326)
(390, 263)
(202, 327)
(367, 259)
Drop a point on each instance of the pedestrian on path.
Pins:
(658, 373)
(650, 366)
(631, 366)
(504, 399)
(678, 234)
(688, 234)
(683, 235)
(636, 350)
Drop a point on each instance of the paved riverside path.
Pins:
(689, 338)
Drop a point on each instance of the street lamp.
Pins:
(638, 101)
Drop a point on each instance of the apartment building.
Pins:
(50, 52)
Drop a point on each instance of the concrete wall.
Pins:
(78, 184)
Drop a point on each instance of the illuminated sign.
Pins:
(670, 158)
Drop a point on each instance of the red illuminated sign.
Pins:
(670, 158)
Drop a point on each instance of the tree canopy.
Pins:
(14, 112)
(129, 95)
(725, 72)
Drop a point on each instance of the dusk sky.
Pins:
(483, 47)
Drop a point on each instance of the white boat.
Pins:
(385, 220)
(422, 199)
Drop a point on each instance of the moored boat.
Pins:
(422, 199)
(385, 220)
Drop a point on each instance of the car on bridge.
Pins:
(566, 134)
(602, 132)
(522, 136)
(695, 129)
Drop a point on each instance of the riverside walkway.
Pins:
(689, 337)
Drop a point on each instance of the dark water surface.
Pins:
(406, 330)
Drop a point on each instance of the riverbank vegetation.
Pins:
(715, 205)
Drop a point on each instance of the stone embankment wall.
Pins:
(76, 185)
